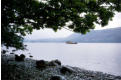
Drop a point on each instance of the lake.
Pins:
(105, 57)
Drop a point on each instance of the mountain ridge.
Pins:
(112, 35)
(107, 35)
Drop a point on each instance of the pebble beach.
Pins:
(27, 70)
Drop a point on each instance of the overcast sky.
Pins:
(49, 33)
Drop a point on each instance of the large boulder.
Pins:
(41, 64)
(66, 69)
(12, 53)
(19, 58)
(3, 51)
(57, 77)
(54, 63)
(58, 62)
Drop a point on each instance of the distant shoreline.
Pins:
(65, 42)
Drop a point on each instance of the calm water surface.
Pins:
(105, 57)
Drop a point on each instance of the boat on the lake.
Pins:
(70, 42)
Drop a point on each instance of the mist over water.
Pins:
(105, 57)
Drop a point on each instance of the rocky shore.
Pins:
(29, 70)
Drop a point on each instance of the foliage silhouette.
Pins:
(20, 17)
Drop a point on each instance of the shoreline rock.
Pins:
(26, 70)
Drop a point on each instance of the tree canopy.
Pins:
(20, 17)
